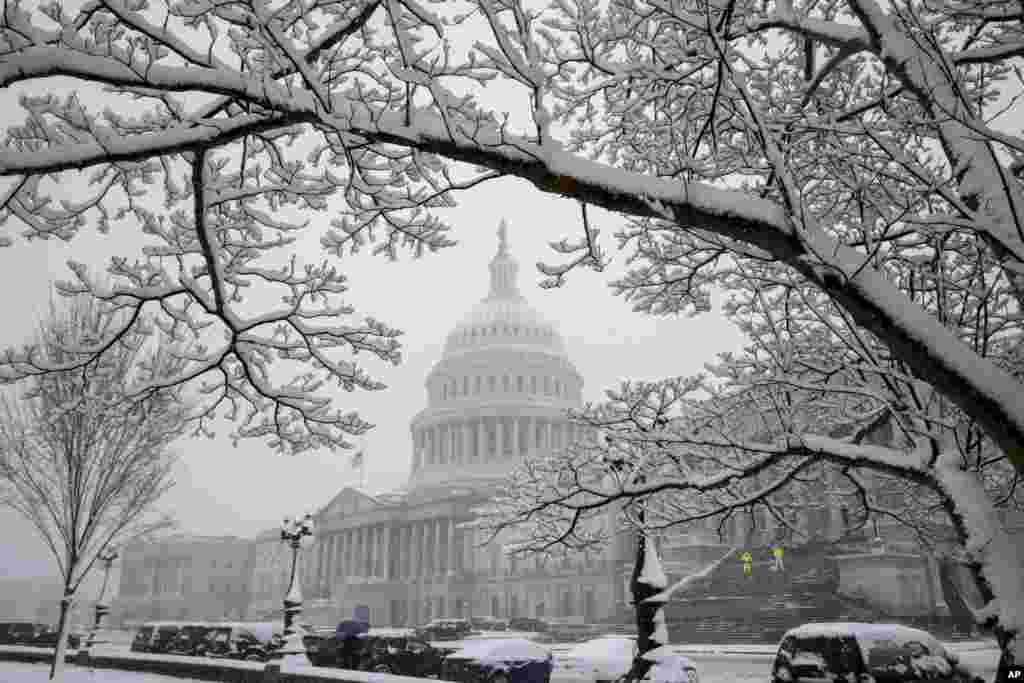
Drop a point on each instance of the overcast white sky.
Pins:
(222, 490)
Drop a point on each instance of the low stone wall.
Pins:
(204, 669)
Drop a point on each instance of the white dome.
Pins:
(504, 318)
(503, 322)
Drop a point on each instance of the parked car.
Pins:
(20, 632)
(445, 629)
(164, 636)
(393, 651)
(254, 641)
(527, 624)
(609, 658)
(879, 653)
(143, 639)
(48, 638)
(668, 666)
(190, 640)
(498, 660)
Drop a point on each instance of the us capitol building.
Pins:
(498, 394)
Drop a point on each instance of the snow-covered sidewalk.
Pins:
(23, 672)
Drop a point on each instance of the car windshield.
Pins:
(145, 633)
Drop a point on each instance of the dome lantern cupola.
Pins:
(504, 269)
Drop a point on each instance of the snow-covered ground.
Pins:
(19, 672)
(716, 663)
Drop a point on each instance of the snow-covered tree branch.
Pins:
(873, 136)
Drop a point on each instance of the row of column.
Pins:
(489, 438)
(421, 548)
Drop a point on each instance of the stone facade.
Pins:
(184, 577)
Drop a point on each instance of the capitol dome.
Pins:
(503, 317)
(499, 391)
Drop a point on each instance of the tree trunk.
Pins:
(1008, 655)
(996, 558)
(645, 612)
(63, 626)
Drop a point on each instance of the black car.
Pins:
(164, 637)
(883, 653)
(256, 641)
(48, 638)
(20, 632)
(499, 660)
(393, 651)
(143, 638)
(190, 640)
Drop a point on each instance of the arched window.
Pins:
(444, 391)
(476, 385)
(491, 384)
(558, 388)
(506, 384)
(533, 385)
(519, 384)
(465, 386)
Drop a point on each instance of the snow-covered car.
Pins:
(498, 660)
(669, 666)
(846, 652)
(608, 658)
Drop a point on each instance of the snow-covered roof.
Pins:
(501, 649)
(861, 631)
(391, 632)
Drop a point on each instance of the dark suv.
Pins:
(880, 653)
(392, 651)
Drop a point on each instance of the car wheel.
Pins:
(782, 674)
(382, 669)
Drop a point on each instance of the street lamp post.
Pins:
(293, 651)
(106, 558)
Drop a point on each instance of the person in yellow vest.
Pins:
(777, 553)
(748, 563)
